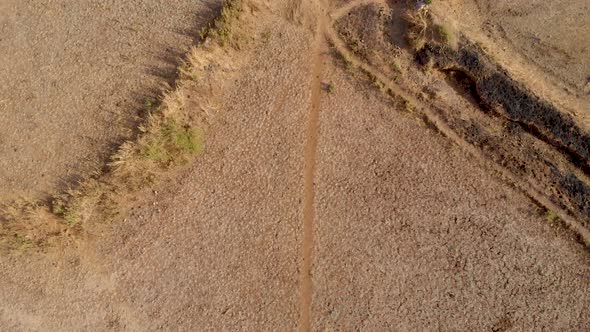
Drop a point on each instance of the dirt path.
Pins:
(319, 49)
(414, 235)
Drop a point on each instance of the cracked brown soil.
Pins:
(312, 210)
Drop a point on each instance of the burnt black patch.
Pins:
(538, 142)
(537, 116)
(495, 90)
(465, 84)
(577, 191)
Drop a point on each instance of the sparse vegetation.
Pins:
(21, 242)
(68, 213)
(342, 58)
(551, 216)
(417, 28)
(330, 87)
(170, 136)
(223, 28)
(148, 104)
(443, 33)
(422, 30)
(173, 144)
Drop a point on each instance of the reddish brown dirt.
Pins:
(320, 49)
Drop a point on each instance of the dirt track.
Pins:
(409, 232)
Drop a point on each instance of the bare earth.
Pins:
(312, 210)
(413, 235)
(75, 78)
(546, 44)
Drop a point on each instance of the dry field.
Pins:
(76, 78)
(364, 167)
(546, 44)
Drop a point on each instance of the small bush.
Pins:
(551, 216)
(417, 28)
(330, 88)
(69, 213)
(443, 33)
(173, 144)
(222, 29)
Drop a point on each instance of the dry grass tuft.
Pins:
(424, 28)
(172, 134)
(417, 28)
(223, 28)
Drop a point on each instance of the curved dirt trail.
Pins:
(347, 8)
(395, 89)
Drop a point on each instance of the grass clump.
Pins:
(443, 33)
(22, 242)
(223, 29)
(173, 144)
(551, 216)
(172, 133)
(149, 104)
(67, 212)
(330, 88)
(417, 28)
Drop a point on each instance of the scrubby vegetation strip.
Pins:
(170, 137)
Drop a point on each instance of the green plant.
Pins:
(72, 218)
(173, 143)
(551, 216)
(148, 104)
(444, 34)
(60, 208)
(22, 242)
(223, 28)
(330, 88)
(428, 2)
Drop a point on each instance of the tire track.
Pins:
(393, 88)
(347, 8)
